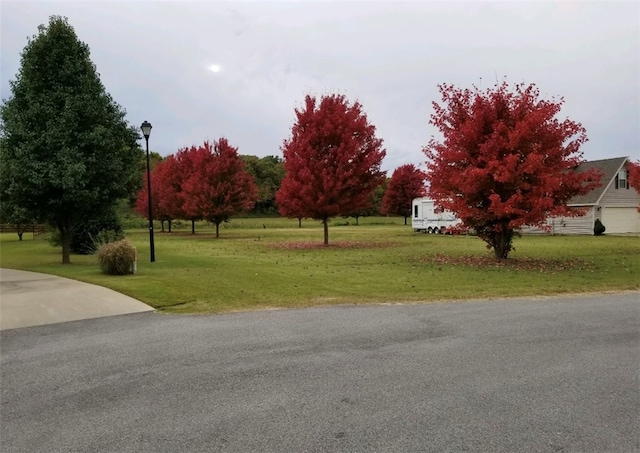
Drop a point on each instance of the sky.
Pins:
(199, 70)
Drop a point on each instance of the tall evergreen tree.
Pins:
(68, 150)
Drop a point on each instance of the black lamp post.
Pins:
(146, 131)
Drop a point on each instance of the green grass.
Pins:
(252, 267)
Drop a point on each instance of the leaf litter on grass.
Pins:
(519, 264)
(308, 245)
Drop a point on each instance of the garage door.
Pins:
(621, 220)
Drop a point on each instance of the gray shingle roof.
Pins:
(609, 168)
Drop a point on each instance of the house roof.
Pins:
(609, 169)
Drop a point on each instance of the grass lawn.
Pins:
(260, 263)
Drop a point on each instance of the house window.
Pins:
(621, 180)
(415, 211)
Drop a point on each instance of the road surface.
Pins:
(549, 375)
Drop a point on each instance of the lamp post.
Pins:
(146, 131)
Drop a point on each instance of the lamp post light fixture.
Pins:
(146, 131)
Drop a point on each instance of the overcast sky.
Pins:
(201, 70)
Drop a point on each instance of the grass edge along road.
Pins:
(270, 263)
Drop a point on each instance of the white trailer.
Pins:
(425, 218)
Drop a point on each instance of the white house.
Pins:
(615, 203)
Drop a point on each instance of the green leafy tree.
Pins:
(10, 213)
(68, 150)
(268, 172)
(15, 215)
(375, 204)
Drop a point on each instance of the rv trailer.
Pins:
(425, 219)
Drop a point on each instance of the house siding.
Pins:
(526, 229)
(575, 225)
(620, 198)
(568, 225)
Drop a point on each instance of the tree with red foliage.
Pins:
(142, 202)
(174, 171)
(332, 161)
(183, 168)
(218, 186)
(169, 175)
(505, 161)
(374, 206)
(407, 183)
(633, 169)
(166, 201)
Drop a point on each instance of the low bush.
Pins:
(598, 228)
(117, 258)
(91, 231)
(94, 230)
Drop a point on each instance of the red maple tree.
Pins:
(167, 185)
(407, 183)
(218, 185)
(332, 161)
(506, 160)
(184, 167)
(634, 176)
(142, 202)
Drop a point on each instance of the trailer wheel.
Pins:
(436, 230)
(429, 230)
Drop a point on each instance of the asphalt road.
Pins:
(548, 375)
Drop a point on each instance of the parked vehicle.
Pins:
(425, 219)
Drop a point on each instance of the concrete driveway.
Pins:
(528, 375)
(33, 299)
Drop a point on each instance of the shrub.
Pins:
(93, 230)
(598, 228)
(117, 258)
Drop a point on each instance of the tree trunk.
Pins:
(217, 229)
(21, 228)
(357, 220)
(162, 225)
(65, 240)
(169, 223)
(405, 220)
(193, 227)
(325, 223)
(299, 222)
(501, 243)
